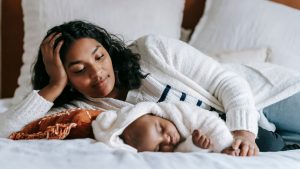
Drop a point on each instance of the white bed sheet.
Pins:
(86, 153)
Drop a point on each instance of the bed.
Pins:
(194, 20)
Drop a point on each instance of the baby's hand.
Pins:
(231, 151)
(201, 140)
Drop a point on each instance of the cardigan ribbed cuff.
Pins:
(243, 120)
(31, 108)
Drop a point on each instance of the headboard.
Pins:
(12, 37)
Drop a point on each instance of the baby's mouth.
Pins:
(173, 140)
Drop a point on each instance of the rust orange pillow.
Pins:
(73, 123)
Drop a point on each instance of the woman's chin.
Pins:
(103, 94)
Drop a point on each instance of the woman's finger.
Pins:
(47, 45)
(244, 149)
(236, 144)
(53, 40)
(256, 150)
(57, 49)
(250, 151)
(48, 38)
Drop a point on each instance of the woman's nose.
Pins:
(95, 72)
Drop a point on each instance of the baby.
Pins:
(163, 127)
(153, 133)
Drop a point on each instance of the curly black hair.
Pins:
(125, 63)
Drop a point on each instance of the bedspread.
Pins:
(86, 153)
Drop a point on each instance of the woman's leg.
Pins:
(269, 141)
(285, 114)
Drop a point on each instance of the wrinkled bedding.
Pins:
(86, 153)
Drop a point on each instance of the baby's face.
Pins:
(152, 133)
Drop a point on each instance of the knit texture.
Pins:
(28, 110)
(238, 90)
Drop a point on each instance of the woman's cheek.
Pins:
(78, 82)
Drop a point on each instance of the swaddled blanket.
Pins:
(109, 125)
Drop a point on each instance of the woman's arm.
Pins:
(31, 108)
(233, 92)
(54, 68)
(37, 104)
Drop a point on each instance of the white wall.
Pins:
(0, 47)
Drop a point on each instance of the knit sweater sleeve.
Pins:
(209, 123)
(31, 108)
(193, 71)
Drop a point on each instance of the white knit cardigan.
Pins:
(238, 90)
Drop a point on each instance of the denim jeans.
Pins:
(285, 115)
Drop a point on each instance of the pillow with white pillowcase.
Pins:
(129, 19)
(246, 56)
(232, 25)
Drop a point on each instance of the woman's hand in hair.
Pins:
(54, 67)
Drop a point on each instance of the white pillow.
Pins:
(129, 18)
(244, 56)
(185, 34)
(230, 25)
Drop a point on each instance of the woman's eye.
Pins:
(79, 71)
(99, 57)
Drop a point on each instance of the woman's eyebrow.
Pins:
(73, 63)
(95, 50)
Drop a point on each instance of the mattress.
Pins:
(86, 153)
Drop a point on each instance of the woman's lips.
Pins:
(99, 83)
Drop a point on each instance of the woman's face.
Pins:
(89, 69)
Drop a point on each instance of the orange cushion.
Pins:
(74, 123)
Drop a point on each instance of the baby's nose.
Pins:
(167, 139)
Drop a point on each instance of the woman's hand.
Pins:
(51, 58)
(244, 141)
(231, 151)
(54, 68)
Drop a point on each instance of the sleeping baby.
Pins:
(163, 127)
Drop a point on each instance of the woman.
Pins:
(81, 65)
